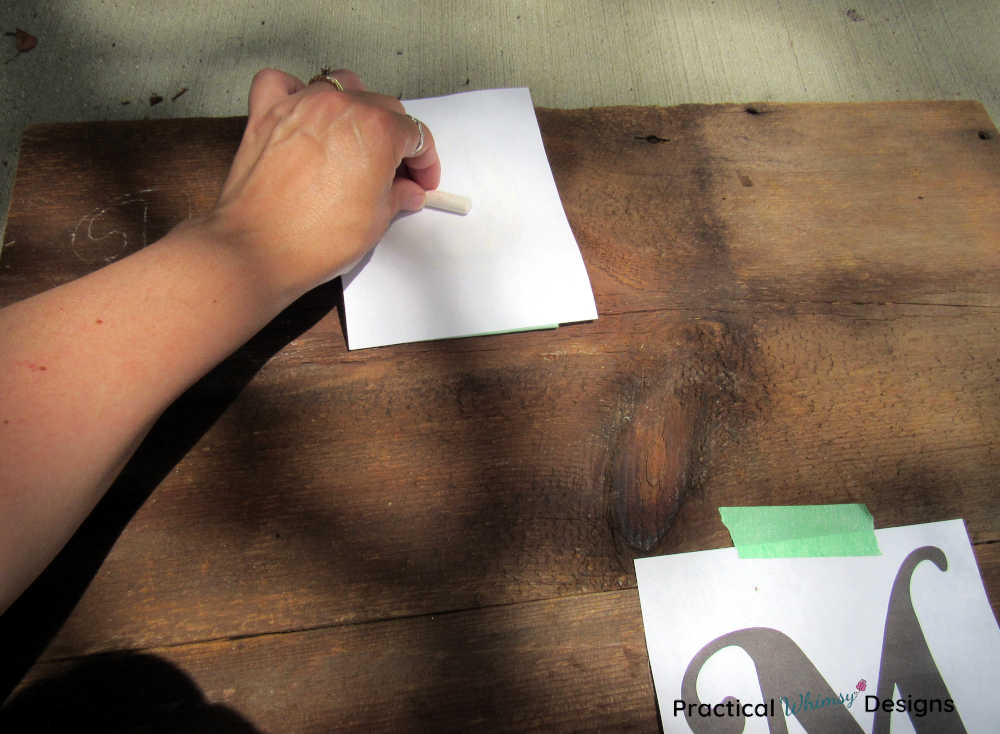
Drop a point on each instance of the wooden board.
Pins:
(573, 664)
(799, 303)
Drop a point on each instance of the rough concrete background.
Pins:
(104, 59)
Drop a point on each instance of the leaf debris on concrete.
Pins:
(23, 42)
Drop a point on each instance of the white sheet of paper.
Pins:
(512, 263)
(835, 610)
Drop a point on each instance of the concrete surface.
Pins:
(103, 59)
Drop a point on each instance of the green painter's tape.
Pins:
(801, 531)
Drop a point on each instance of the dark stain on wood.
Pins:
(652, 467)
(684, 405)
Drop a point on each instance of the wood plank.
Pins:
(788, 204)
(453, 476)
(572, 664)
(988, 557)
(756, 345)
(89, 193)
(843, 203)
(575, 664)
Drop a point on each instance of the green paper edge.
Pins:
(516, 331)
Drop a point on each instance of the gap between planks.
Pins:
(152, 650)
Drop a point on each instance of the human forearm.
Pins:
(87, 368)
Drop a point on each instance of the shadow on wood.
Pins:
(119, 692)
(31, 622)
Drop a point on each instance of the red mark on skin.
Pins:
(33, 367)
(99, 321)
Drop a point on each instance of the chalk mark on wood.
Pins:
(84, 231)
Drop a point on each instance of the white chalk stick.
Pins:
(448, 202)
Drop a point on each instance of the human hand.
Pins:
(318, 177)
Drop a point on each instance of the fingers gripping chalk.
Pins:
(448, 202)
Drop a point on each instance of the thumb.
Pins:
(407, 195)
(267, 87)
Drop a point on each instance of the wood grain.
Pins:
(573, 664)
(798, 305)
